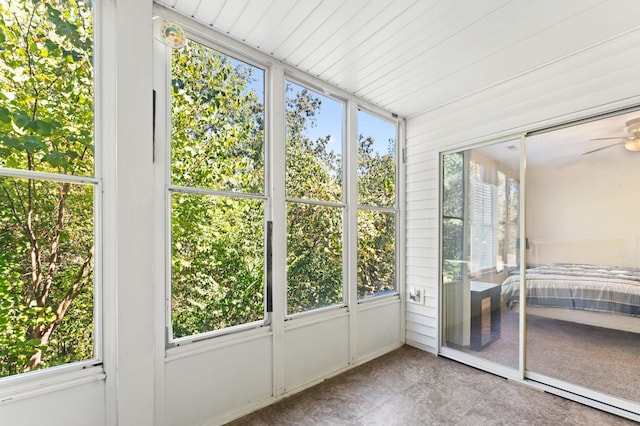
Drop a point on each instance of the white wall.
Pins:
(77, 405)
(601, 78)
(585, 212)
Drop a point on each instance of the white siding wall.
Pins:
(599, 79)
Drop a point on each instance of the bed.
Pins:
(589, 294)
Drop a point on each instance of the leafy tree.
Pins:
(453, 217)
(314, 232)
(217, 148)
(376, 229)
(46, 234)
(216, 144)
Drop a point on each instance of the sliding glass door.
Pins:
(583, 281)
(558, 227)
(480, 225)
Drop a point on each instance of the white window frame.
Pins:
(164, 188)
(39, 382)
(290, 78)
(399, 160)
(275, 77)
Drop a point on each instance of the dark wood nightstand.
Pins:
(485, 314)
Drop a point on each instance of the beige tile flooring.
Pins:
(411, 387)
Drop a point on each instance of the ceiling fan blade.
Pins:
(604, 139)
(602, 147)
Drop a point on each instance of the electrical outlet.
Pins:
(416, 295)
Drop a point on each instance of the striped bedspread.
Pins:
(577, 286)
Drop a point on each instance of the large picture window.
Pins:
(315, 207)
(47, 185)
(216, 191)
(258, 228)
(376, 188)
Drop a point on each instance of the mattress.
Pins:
(578, 286)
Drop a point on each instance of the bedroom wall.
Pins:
(598, 79)
(586, 212)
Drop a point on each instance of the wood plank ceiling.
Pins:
(412, 56)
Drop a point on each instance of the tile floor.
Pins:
(411, 387)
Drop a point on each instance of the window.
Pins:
(314, 197)
(376, 188)
(452, 217)
(47, 185)
(490, 191)
(224, 188)
(509, 205)
(216, 192)
(483, 218)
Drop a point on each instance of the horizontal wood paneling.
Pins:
(585, 83)
(412, 56)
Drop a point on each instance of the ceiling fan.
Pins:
(631, 142)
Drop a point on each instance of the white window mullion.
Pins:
(276, 118)
(161, 226)
(351, 225)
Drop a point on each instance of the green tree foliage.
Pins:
(46, 233)
(376, 174)
(376, 229)
(314, 232)
(376, 252)
(217, 242)
(314, 256)
(217, 122)
(452, 217)
(217, 224)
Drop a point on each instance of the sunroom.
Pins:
(208, 206)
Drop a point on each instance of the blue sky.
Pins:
(330, 118)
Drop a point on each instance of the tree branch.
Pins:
(34, 252)
(44, 332)
(55, 244)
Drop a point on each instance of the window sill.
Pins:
(216, 341)
(28, 385)
(374, 301)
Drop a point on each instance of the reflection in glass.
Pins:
(479, 231)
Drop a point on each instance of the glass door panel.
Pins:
(583, 281)
(480, 225)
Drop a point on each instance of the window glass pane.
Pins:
(483, 218)
(583, 269)
(376, 253)
(376, 161)
(46, 86)
(480, 226)
(46, 228)
(217, 114)
(453, 185)
(513, 222)
(46, 274)
(314, 145)
(217, 265)
(314, 256)
(452, 249)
